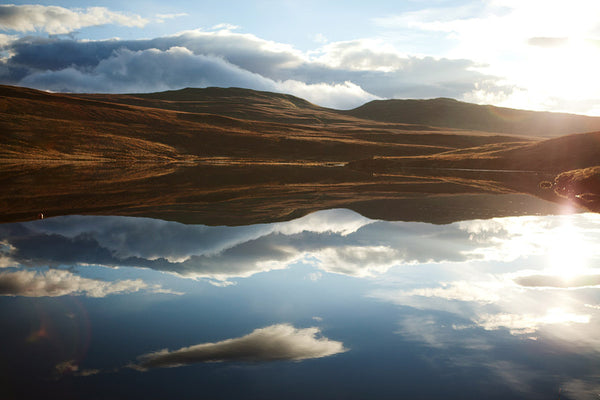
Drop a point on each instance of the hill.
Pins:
(192, 123)
(443, 112)
(237, 156)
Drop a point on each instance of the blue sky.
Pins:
(540, 55)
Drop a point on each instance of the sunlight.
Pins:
(569, 252)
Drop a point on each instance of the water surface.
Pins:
(331, 305)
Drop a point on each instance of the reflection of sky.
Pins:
(505, 306)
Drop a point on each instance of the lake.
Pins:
(329, 305)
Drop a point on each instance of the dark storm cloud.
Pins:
(343, 75)
(281, 342)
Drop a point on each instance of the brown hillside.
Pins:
(451, 113)
(236, 156)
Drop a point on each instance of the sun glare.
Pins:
(569, 252)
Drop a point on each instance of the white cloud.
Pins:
(362, 54)
(53, 283)
(320, 38)
(281, 342)
(160, 18)
(345, 95)
(59, 20)
(5, 40)
(225, 27)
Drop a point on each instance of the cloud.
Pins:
(154, 70)
(361, 55)
(225, 26)
(59, 20)
(320, 38)
(281, 342)
(54, 283)
(339, 74)
(149, 70)
(160, 18)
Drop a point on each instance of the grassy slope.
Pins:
(206, 123)
(452, 113)
(222, 156)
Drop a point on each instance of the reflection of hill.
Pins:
(246, 194)
(552, 155)
(237, 156)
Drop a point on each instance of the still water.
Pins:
(331, 305)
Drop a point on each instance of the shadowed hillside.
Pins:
(451, 113)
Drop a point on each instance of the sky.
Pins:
(540, 55)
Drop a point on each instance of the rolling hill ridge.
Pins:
(237, 156)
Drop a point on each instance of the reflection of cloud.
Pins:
(429, 330)
(359, 261)
(335, 241)
(66, 367)
(53, 283)
(521, 324)
(587, 388)
(482, 292)
(59, 20)
(5, 249)
(273, 343)
(552, 281)
(70, 367)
